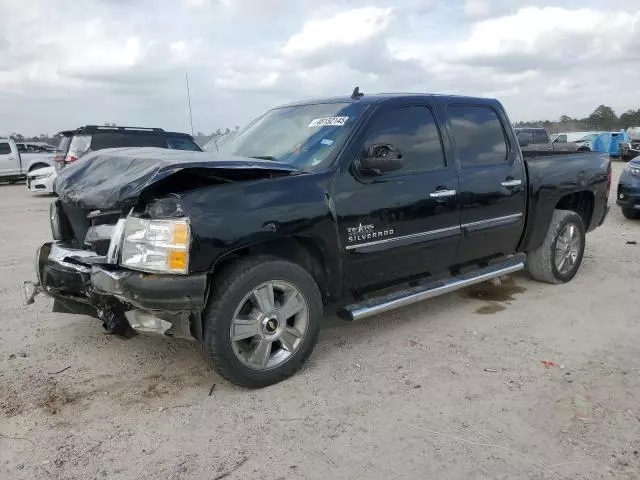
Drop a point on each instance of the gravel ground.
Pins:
(451, 388)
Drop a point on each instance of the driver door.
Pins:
(405, 223)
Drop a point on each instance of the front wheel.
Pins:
(559, 257)
(262, 321)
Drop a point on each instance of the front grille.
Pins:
(81, 220)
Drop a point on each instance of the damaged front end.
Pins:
(82, 282)
(125, 268)
(123, 242)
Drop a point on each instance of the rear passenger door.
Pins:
(492, 181)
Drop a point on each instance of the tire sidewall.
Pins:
(218, 338)
(575, 219)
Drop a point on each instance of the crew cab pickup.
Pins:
(360, 204)
(15, 165)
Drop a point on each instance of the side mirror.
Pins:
(381, 158)
(523, 141)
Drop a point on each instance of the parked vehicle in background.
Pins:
(631, 148)
(582, 140)
(77, 143)
(537, 140)
(41, 180)
(628, 195)
(15, 165)
(368, 202)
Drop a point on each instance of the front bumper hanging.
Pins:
(83, 282)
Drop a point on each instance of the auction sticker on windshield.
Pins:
(328, 122)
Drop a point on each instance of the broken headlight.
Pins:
(156, 245)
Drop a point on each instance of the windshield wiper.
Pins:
(264, 157)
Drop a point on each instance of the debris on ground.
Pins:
(548, 363)
(490, 370)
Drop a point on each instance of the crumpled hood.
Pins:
(114, 178)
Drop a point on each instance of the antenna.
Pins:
(356, 93)
(186, 77)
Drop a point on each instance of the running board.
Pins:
(375, 306)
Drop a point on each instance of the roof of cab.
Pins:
(382, 97)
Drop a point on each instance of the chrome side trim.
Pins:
(492, 220)
(405, 237)
(417, 294)
(58, 255)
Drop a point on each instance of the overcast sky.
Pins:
(65, 63)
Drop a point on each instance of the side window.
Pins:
(540, 136)
(104, 140)
(5, 149)
(178, 143)
(561, 139)
(22, 148)
(478, 135)
(414, 132)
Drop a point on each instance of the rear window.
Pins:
(478, 135)
(101, 141)
(63, 146)
(5, 149)
(183, 143)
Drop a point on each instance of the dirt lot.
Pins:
(450, 388)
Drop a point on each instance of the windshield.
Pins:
(306, 136)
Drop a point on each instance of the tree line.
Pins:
(603, 118)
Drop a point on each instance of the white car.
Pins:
(41, 180)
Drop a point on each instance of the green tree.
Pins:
(630, 118)
(603, 118)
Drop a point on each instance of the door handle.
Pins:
(442, 193)
(512, 183)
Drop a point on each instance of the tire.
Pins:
(631, 213)
(542, 264)
(233, 297)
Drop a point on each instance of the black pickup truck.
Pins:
(361, 204)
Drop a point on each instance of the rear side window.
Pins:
(478, 135)
(5, 149)
(540, 136)
(104, 140)
(183, 143)
(414, 132)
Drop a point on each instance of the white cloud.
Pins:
(342, 30)
(554, 32)
(125, 61)
(476, 8)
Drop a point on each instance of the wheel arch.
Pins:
(37, 166)
(306, 252)
(581, 202)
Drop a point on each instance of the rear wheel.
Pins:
(631, 213)
(262, 321)
(559, 257)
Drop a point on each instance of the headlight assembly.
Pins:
(156, 245)
(633, 169)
